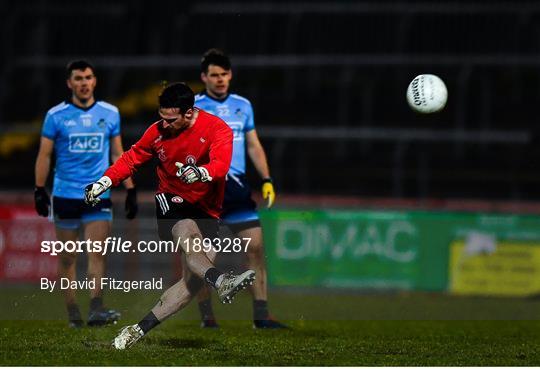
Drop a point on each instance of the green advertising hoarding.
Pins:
(406, 250)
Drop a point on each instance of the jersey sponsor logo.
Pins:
(86, 142)
(70, 123)
(237, 128)
(177, 200)
(203, 140)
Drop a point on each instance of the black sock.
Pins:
(73, 312)
(211, 276)
(148, 322)
(96, 303)
(260, 310)
(205, 308)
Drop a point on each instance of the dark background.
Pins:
(327, 81)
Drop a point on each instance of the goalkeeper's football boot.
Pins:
(127, 337)
(268, 324)
(102, 316)
(232, 284)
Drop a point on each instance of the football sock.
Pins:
(211, 276)
(260, 309)
(96, 303)
(148, 322)
(73, 312)
(205, 308)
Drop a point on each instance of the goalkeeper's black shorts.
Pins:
(172, 208)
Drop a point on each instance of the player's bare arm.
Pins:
(257, 155)
(43, 161)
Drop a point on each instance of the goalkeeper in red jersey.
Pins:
(194, 149)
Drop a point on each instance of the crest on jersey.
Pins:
(190, 159)
(101, 123)
(177, 200)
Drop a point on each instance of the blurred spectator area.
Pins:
(327, 81)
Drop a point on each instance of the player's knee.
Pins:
(67, 259)
(185, 228)
(255, 249)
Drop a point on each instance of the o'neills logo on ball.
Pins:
(190, 159)
(416, 90)
(177, 199)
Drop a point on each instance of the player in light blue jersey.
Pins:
(239, 209)
(81, 132)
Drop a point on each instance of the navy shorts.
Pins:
(239, 209)
(71, 213)
(172, 208)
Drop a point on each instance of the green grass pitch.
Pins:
(327, 329)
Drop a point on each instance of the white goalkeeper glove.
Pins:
(94, 190)
(189, 173)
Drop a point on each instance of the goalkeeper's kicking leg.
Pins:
(180, 294)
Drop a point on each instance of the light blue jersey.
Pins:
(237, 112)
(81, 144)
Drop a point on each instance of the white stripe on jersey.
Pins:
(108, 106)
(57, 108)
(240, 98)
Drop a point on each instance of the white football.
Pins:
(427, 94)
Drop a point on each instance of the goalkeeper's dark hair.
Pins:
(78, 65)
(177, 95)
(215, 57)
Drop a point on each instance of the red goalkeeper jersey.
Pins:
(207, 143)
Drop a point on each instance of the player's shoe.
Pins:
(75, 323)
(209, 323)
(268, 324)
(102, 316)
(74, 317)
(127, 337)
(232, 284)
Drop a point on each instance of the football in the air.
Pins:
(427, 94)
